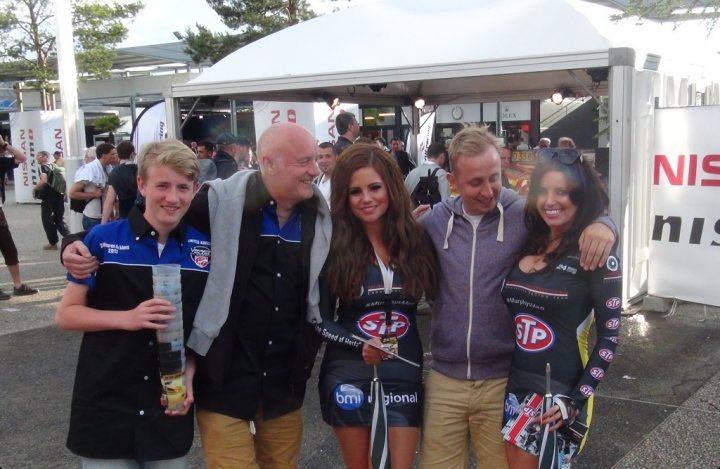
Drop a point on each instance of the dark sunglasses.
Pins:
(564, 155)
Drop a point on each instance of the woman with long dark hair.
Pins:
(554, 303)
(380, 264)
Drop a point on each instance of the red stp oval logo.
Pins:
(373, 324)
(606, 355)
(532, 334)
(613, 323)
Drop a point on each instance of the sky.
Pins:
(157, 21)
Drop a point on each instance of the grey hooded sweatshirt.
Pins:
(472, 333)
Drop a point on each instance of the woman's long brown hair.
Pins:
(351, 252)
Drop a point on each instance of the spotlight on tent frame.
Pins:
(332, 100)
(377, 87)
(420, 102)
(559, 95)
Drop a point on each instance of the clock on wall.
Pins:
(456, 112)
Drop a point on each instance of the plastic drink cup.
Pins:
(171, 347)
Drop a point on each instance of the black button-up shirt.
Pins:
(116, 411)
(255, 362)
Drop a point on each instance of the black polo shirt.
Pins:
(123, 180)
(116, 412)
(259, 341)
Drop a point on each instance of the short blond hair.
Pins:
(172, 153)
(471, 141)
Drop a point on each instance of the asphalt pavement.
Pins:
(658, 407)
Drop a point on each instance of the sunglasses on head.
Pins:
(564, 155)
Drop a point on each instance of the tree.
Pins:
(252, 19)
(109, 123)
(27, 38)
(673, 10)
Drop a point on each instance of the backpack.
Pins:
(56, 179)
(78, 205)
(427, 191)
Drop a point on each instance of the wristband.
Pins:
(568, 408)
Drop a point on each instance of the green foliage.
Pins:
(252, 19)
(97, 28)
(109, 123)
(673, 11)
(206, 45)
(27, 36)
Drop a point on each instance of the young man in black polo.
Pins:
(116, 419)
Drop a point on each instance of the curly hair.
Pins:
(586, 193)
(351, 252)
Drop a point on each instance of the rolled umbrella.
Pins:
(379, 449)
(548, 458)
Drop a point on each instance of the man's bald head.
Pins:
(287, 153)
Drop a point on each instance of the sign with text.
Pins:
(509, 111)
(317, 118)
(31, 132)
(685, 196)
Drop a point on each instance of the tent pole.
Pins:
(233, 117)
(620, 116)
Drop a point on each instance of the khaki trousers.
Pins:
(456, 409)
(229, 444)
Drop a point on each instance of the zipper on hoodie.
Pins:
(470, 301)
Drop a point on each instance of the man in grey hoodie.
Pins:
(478, 237)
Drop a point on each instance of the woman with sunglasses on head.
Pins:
(554, 303)
(380, 264)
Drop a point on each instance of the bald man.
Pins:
(253, 332)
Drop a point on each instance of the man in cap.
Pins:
(242, 153)
(227, 146)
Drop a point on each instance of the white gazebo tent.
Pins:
(460, 51)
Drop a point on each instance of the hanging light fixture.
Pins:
(557, 97)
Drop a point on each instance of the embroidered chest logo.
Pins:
(532, 334)
(373, 324)
(200, 255)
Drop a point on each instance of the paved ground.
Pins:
(659, 406)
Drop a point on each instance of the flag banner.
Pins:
(685, 205)
(379, 449)
(31, 132)
(425, 137)
(150, 125)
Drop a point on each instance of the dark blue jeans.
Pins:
(88, 222)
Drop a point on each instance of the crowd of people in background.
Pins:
(337, 242)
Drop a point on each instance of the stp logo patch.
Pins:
(200, 255)
(606, 355)
(597, 373)
(532, 334)
(373, 324)
(613, 303)
(612, 324)
(586, 390)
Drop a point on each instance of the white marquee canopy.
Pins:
(463, 51)
(449, 51)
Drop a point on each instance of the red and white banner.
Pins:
(685, 200)
(317, 118)
(33, 131)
